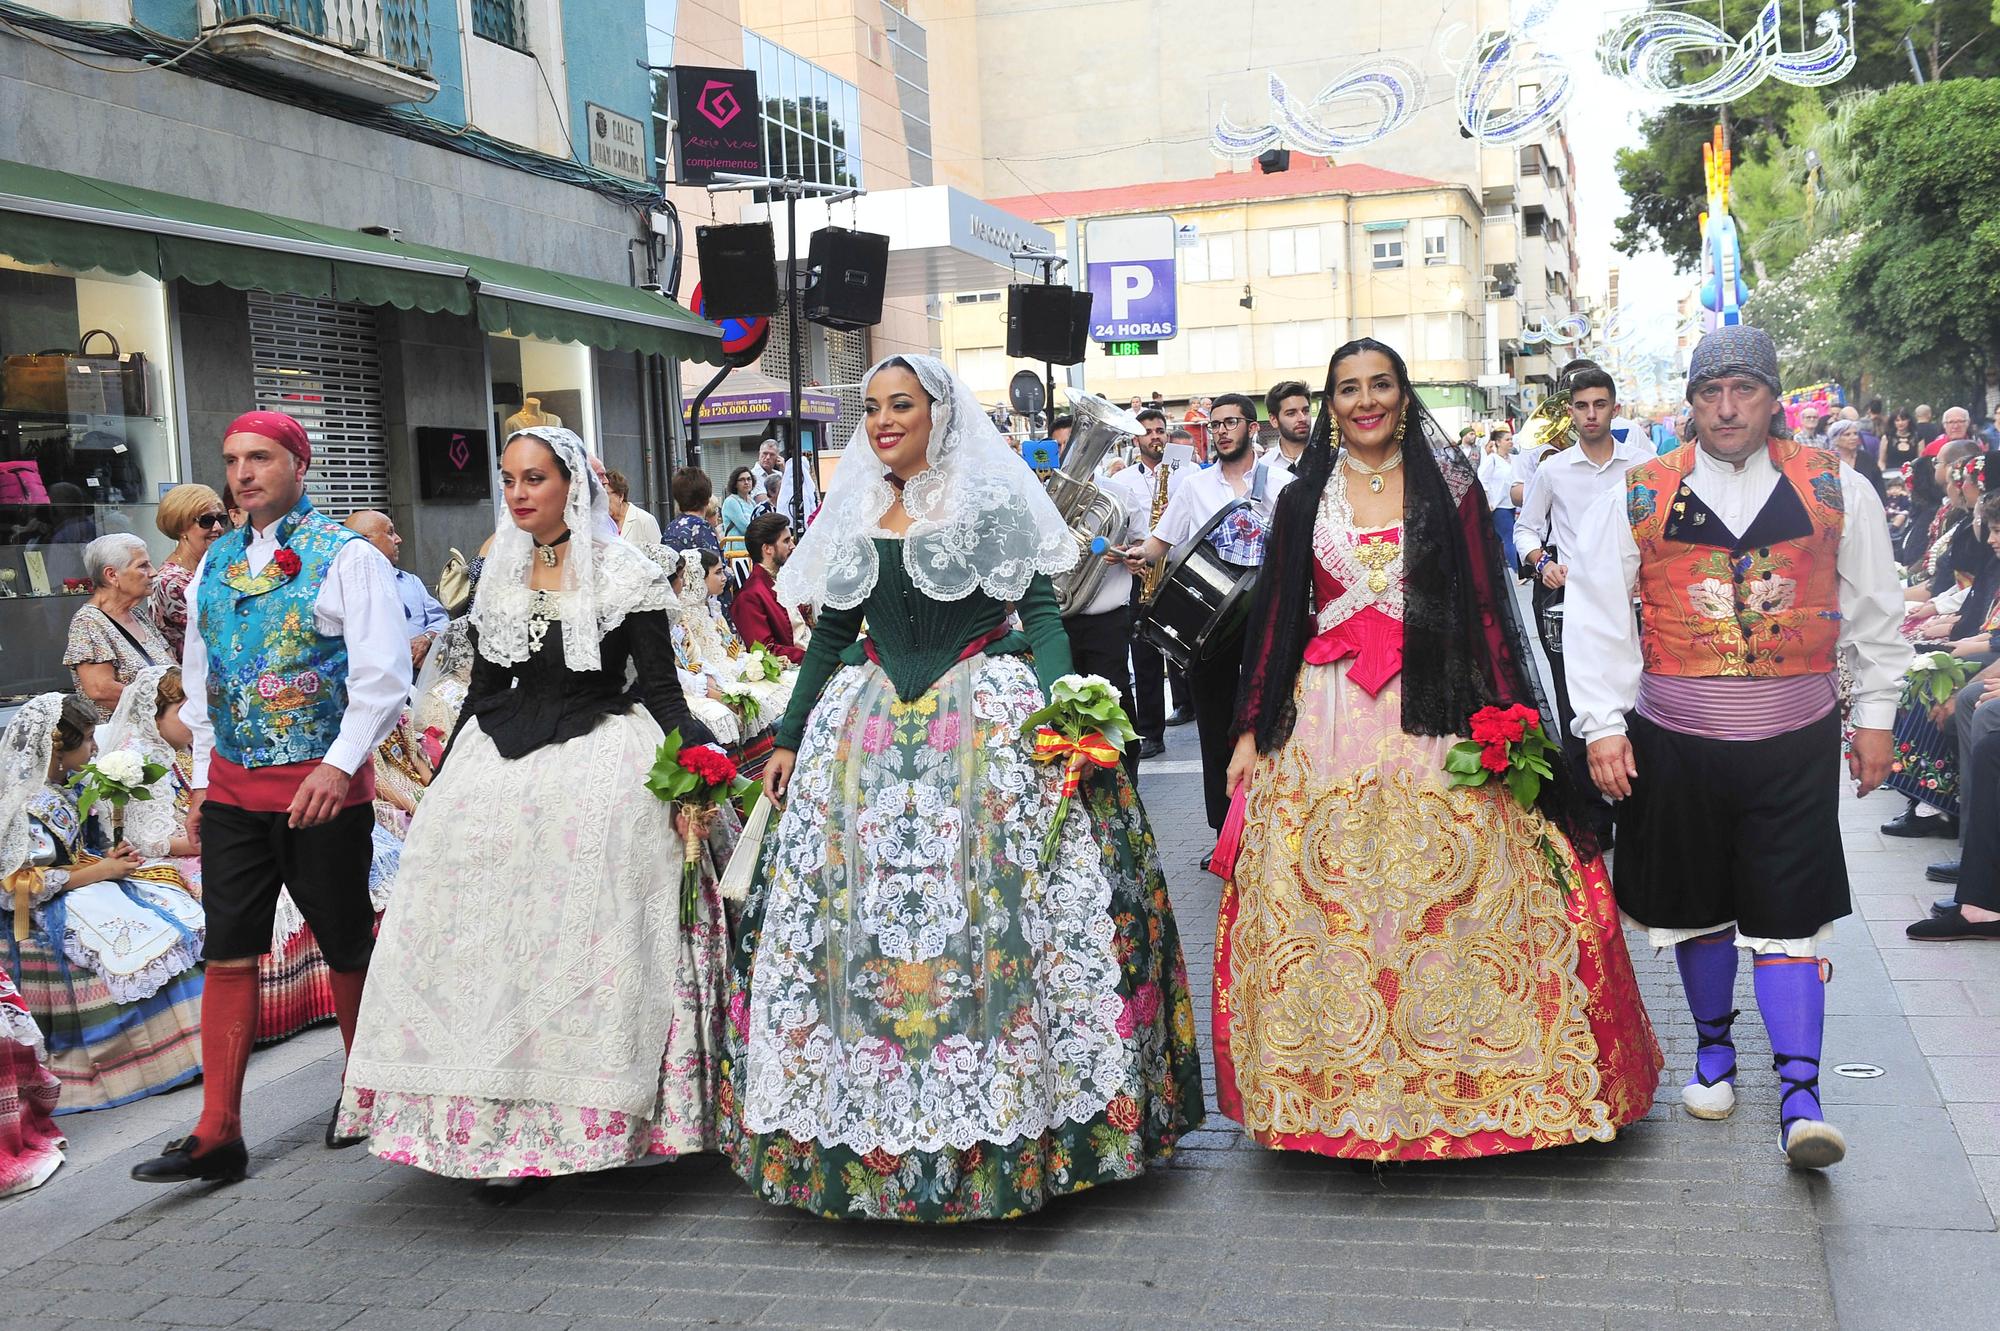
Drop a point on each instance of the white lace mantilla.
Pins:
(919, 982)
(1369, 573)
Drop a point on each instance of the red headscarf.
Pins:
(276, 426)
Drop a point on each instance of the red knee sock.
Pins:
(228, 1030)
(347, 1003)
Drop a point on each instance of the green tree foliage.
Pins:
(1924, 283)
(1662, 177)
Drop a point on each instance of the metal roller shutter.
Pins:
(319, 361)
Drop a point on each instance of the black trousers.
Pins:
(1097, 646)
(1574, 749)
(1745, 830)
(1214, 683)
(1979, 821)
(1150, 673)
(246, 856)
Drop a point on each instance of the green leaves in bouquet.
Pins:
(669, 780)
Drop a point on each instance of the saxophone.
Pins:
(1158, 568)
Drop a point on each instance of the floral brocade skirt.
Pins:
(1401, 974)
(1925, 765)
(925, 1025)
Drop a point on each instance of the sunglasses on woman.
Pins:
(210, 521)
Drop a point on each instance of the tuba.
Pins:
(1096, 519)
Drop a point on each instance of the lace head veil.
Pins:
(135, 724)
(979, 517)
(503, 601)
(25, 750)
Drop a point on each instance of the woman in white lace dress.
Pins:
(714, 640)
(535, 1007)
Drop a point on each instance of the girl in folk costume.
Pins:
(929, 1023)
(1400, 970)
(105, 944)
(538, 1008)
(701, 679)
(713, 638)
(31, 1146)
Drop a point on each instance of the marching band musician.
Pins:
(1100, 631)
(1237, 474)
(1145, 487)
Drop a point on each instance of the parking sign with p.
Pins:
(1133, 283)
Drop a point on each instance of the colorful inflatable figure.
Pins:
(1723, 292)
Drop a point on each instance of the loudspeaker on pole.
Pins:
(846, 272)
(1047, 323)
(739, 270)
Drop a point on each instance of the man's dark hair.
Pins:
(1152, 414)
(1237, 400)
(1580, 363)
(1062, 423)
(1279, 392)
(1874, 407)
(763, 531)
(692, 489)
(1591, 377)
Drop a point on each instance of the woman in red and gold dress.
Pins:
(1400, 972)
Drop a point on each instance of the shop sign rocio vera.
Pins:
(1133, 279)
(717, 126)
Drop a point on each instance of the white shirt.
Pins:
(1522, 467)
(1601, 638)
(1204, 492)
(1496, 477)
(641, 528)
(1564, 488)
(1274, 458)
(359, 603)
(1136, 485)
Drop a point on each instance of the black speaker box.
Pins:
(739, 270)
(847, 269)
(1047, 323)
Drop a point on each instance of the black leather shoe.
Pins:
(334, 1141)
(1204, 863)
(1910, 823)
(1944, 871)
(1180, 716)
(227, 1163)
(1152, 748)
(1953, 928)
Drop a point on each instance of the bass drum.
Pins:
(1202, 599)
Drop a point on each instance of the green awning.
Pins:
(71, 221)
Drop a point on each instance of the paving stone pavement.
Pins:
(1678, 1223)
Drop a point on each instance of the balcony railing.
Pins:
(394, 32)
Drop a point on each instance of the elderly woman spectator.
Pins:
(113, 638)
(191, 516)
(1844, 437)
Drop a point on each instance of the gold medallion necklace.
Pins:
(1375, 473)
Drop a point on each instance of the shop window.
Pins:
(87, 446)
(541, 383)
(502, 21)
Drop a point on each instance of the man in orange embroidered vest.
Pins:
(297, 665)
(1756, 560)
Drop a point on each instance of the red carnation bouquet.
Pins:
(1509, 743)
(695, 779)
(287, 561)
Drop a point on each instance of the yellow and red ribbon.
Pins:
(1088, 750)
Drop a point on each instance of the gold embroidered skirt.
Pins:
(1400, 971)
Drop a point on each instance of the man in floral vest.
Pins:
(1757, 562)
(296, 667)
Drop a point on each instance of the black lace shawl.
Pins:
(1463, 644)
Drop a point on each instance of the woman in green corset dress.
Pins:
(925, 1024)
